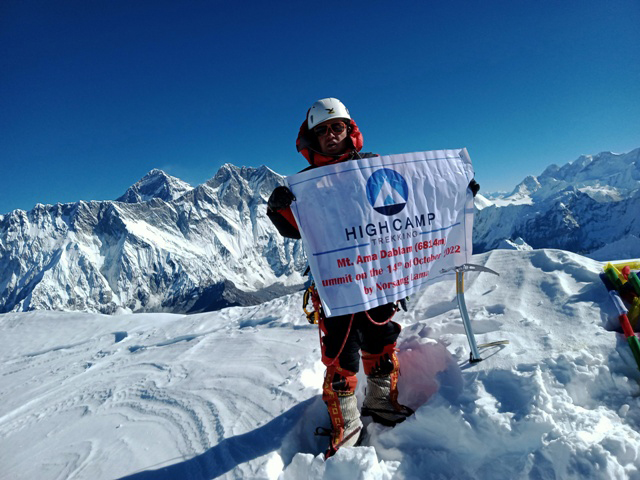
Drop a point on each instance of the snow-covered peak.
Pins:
(480, 202)
(528, 186)
(522, 194)
(606, 176)
(164, 246)
(588, 206)
(228, 172)
(594, 167)
(231, 182)
(155, 184)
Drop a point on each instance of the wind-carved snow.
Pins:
(236, 393)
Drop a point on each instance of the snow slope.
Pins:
(236, 393)
(583, 206)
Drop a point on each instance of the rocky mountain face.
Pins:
(163, 246)
(166, 246)
(585, 207)
(156, 184)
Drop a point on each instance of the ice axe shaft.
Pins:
(462, 305)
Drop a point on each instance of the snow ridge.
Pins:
(164, 247)
(582, 207)
(156, 184)
(616, 174)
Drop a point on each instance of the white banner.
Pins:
(378, 229)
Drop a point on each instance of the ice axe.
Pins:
(462, 306)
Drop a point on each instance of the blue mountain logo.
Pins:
(387, 191)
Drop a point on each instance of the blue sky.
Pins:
(95, 94)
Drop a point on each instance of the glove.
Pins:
(280, 198)
(402, 303)
(474, 186)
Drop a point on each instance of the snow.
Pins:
(481, 202)
(627, 247)
(584, 206)
(164, 244)
(606, 176)
(160, 248)
(156, 184)
(518, 199)
(236, 393)
(517, 244)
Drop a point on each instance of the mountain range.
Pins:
(162, 246)
(167, 246)
(590, 206)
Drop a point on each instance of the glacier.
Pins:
(163, 247)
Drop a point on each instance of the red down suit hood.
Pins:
(307, 145)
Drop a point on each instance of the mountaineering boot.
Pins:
(339, 396)
(381, 399)
(379, 403)
(348, 434)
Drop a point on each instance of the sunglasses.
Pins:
(337, 127)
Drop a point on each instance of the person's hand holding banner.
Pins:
(378, 229)
(280, 198)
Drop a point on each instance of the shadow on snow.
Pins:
(232, 452)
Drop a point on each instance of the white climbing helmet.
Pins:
(326, 109)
